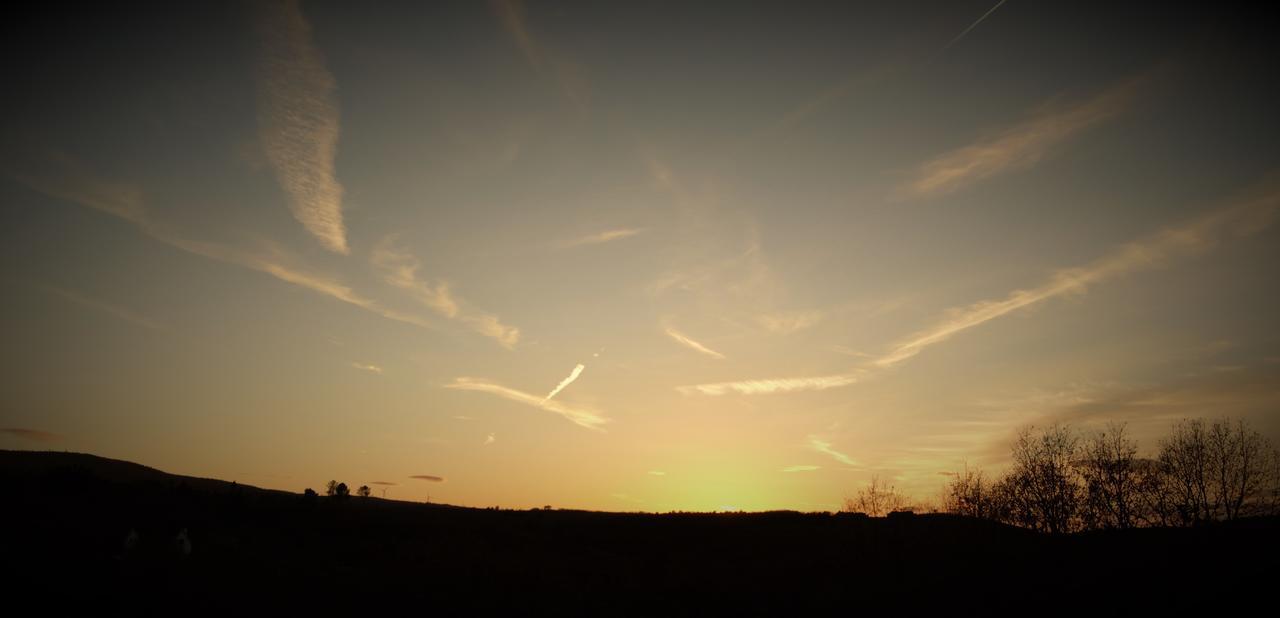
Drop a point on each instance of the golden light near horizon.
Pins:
(630, 259)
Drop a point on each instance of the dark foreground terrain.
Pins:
(68, 517)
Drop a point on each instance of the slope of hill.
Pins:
(92, 535)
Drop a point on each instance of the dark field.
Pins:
(255, 551)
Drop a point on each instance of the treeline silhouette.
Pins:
(1062, 480)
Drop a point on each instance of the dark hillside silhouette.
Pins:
(97, 536)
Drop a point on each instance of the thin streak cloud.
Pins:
(567, 75)
(119, 311)
(35, 435)
(399, 269)
(1020, 146)
(687, 342)
(824, 447)
(771, 385)
(801, 468)
(369, 368)
(580, 416)
(573, 375)
(788, 323)
(299, 121)
(68, 181)
(604, 237)
(428, 477)
(1245, 217)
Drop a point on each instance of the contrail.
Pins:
(974, 24)
(577, 371)
(684, 340)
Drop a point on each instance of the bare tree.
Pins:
(877, 499)
(969, 493)
(1184, 463)
(363, 492)
(1204, 471)
(331, 488)
(1112, 479)
(1244, 470)
(1042, 491)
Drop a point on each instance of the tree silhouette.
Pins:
(1112, 479)
(341, 491)
(969, 493)
(1042, 490)
(877, 499)
(1204, 472)
(363, 492)
(331, 488)
(1222, 470)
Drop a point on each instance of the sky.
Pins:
(631, 256)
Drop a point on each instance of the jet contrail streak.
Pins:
(974, 24)
(577, 371)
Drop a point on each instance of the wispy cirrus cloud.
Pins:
(34, 435)
(582, 417)
(573, 375)
(1020, 146)
(690, 343)
(567, 74)
(772, 385)
(299, 121)
(400, 268)
(119, 311)
(66, 179)
(785, 323)
(369, 368)
(1245, 216)
(801, 468)
(824, 447)
(489, 439)
(1241, 218)
(603, 237)
(490, 326)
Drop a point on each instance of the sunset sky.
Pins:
(631, 256)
